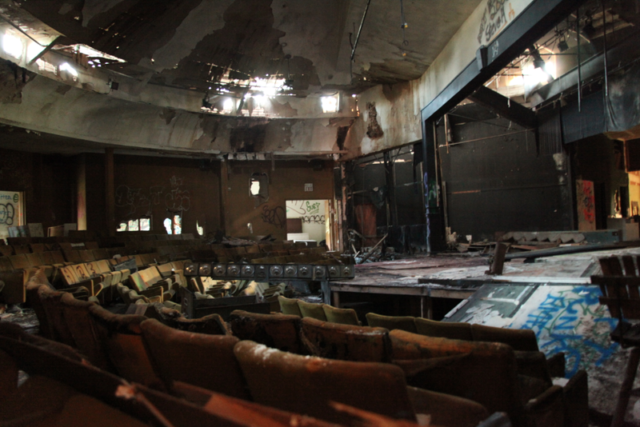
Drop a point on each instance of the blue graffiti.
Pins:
(557, 322)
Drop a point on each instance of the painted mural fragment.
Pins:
(570, 319)
(586, 200)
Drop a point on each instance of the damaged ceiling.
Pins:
(202, 44)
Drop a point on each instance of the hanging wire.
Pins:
(404, 26)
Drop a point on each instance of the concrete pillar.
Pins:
(110, 192)
(224, 194)
(81, 192)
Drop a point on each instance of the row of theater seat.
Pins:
(518, 339)
(154, 354)
(64, 390)
(454, 373)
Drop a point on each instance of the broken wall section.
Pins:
(384, 195)
(287, 180)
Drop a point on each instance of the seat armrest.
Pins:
(547, 409)
(447, 410)
(533, 364)
(556, 364)
(576, 400)
(412, 367)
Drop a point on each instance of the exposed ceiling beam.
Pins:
(503, 106)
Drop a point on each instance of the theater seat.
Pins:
(453, 330)
(202, 360)
(405, 323)
(289, 306)
(346, 342)
(344, 316)
(279, 331)
(309, 309)
(307, 385)
(123, 341)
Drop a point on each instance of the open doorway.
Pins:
(309, 221)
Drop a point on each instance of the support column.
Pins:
(110, 191)
(435, 239)
(81, 193)
(224, 195)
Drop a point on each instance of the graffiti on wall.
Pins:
(313, 219)
(274, 215)
(176, 198)
(7, 214)
(586, 200)
(572, 320)
(494, 18)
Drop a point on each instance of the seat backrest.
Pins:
(202, 360)
(212, 324)
(517, 339)
(57, 257)
(484, 372)
(73, 256)
(53, 309)
(122, 337)
(20, 262)
(405, 323)
(307, 385)
(150, 276)
(5, 263)
(346, 342)
(279, 331)
(82, 327)
(345, 316)
(450, 330)
(91, 245)
(35, 259)
(86, 256)
(21, 249)
(100, 254)
(309, 309)
(137, 282)
(33, 298)
(289, 306)
(37, 247)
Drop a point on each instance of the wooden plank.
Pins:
(397, 290)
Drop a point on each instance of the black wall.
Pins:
(503, 179)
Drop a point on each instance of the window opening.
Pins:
(133, 225)
(167, 225)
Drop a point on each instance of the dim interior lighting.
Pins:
(228, 104)
(12, 45)
(69, 69)
(259, 100)
(329, 104)
(33, 50)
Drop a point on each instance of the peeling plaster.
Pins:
(314, 30)
(203, 20)
(98, 118)
(94, 7)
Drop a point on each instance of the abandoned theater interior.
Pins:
(320, 213)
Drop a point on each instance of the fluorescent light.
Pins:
(329, 104)
(228, 105)
(68, 68)
(12, 45)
